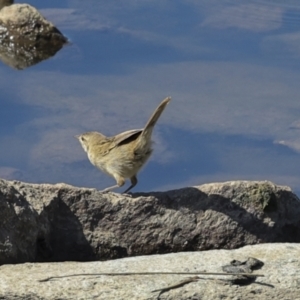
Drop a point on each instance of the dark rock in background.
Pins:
(5, 3)
(60, 222)
(26, 37)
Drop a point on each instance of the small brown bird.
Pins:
(123, 155)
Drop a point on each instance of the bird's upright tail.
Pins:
(145, 136)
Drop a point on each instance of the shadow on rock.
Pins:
(19, 227)
(64, 240)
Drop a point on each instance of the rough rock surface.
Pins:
(281, 277)
(26, 37)
(61, 222)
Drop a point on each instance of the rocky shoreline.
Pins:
(57, 230)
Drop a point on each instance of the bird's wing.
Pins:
(122, 137)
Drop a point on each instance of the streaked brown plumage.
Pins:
(123, 155)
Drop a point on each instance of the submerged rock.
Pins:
(26, 37)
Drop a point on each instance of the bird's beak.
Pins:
(77, 136)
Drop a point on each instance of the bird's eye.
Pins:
(82, 139)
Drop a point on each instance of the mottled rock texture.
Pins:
(281, 277)
(42, 222)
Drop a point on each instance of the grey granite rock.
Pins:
(281, 277)
(61, 222)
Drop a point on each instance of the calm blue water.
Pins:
(231, 67)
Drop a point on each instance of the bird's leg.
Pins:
(134, 181)
(120, 182)
(109, 188)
